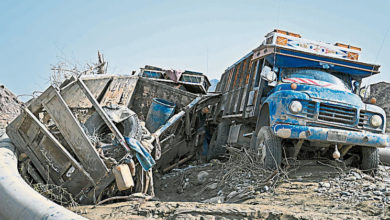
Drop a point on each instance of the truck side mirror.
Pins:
(267, 74)
(364, 92)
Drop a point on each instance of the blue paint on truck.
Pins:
(299, 94)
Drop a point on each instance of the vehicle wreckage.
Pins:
(99, 136)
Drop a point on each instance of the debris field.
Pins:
(93, 137)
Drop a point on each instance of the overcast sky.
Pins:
(205, 36)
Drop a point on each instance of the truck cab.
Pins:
(299, 99)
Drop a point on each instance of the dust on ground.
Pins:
(238, 188)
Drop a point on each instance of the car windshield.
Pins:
(317, 77)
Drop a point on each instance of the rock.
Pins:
(369, 178)
(179, 190)
(344, 193)
(377, 193)
(265, 188)
(212, 186)
(325, 185)
(357, 175)
(231, 195)
(350, 178)
(202, 177)
(186, 185)
(215, 161)
(217, 199)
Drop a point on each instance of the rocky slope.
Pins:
(9, 106)
(381, 91)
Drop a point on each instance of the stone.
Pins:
(231, 195)
(325, 185)
(217, 199)
(212, 186)
(202, 177)
(357, 175)
(186, 185)
(350, 178)
(369, 178)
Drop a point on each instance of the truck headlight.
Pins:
(295, 107)
(376, 121)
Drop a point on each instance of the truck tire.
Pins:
(218, 140)
(130, 127)
(370, 159)
(269, 148)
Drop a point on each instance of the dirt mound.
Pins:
(9, 106)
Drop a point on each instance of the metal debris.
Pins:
(75, 135)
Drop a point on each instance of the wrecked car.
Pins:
(100, 136)
(299, 98)
(187, 80)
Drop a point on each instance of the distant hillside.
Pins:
(214, 83)
(381, 91)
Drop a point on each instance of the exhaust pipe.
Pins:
(18, 199)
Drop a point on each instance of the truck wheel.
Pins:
(269, 148)
(370, 159)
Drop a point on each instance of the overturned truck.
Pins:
(89, 135)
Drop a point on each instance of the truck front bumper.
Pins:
(330, 135)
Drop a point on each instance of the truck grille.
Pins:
(309, 109)
(363, 119)
(364, 122)
(337, 114)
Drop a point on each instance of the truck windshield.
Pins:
(317, 77)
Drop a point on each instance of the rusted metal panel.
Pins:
(147, 89)
(75, 98)
(75, 136)
(120, 91)
(22, 142)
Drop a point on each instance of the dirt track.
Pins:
(311, 191)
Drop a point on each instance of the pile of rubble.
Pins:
(234, 179)
(356, 186)
(9, 106)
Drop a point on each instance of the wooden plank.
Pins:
(120, 91)
(75, 136)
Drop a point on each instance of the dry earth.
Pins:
(307, 190)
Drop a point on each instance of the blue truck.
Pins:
(301, 99)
